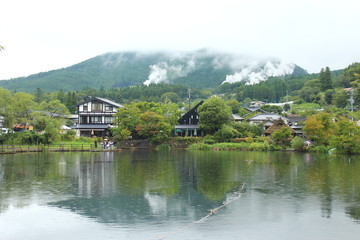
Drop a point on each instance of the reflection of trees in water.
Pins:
(134, 185)
(353, 212)
(333, 177)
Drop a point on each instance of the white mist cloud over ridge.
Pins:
(157, 75)
(252, 70)
(255, 72)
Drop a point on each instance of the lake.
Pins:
(162, 195)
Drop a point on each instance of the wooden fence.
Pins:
(54, 148)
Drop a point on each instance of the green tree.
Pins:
(7, 106)
(226, 133)
(52, 133)
(235, 105)
(282, 136)
(329, 94)
(153, 126)
(298, 144)
(340, 98)
(129, 118)
(54, 108)
(347, 137)
(325, 79)
(319, 127)
(356, 88)
(126, 119)
(214, 113)
(23, 107)
(348, 75)
(39, 95)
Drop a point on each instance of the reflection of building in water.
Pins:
(94, 174)
(157, 203)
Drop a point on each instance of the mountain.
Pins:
(200, 69)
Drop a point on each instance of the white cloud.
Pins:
(257, 72)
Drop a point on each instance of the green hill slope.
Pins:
(200, 69)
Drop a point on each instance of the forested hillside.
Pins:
(198, 69)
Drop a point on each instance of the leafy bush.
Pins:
(263, 139)
(69, 136)
(209, 139)
(200, 146)
(320, 149)
(258, 146)
(30, 138)
(298, 144)
(225, 133)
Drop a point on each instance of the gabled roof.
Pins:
(278, 124)
(254, 109)
(102, 100)
(190, 111)
(296, 118)
(265, 116)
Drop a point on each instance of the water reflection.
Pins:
(149, 186)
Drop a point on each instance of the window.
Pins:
(95, 106)
(85, 107)
(109, 119)
(108, 108)
(83, 119)
(95, 119)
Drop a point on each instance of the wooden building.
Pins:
(95, 117)
(189, 123)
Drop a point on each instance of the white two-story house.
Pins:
(95, 117)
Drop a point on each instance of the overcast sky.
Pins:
(42, 35)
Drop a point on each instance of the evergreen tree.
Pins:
(39, 95)
(325, 79)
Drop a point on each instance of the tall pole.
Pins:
(189, 92)
(352, 102)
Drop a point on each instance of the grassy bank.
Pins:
(243, 146)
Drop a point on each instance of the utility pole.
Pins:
(189, 92)
(352, 103)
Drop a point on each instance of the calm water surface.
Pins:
(162, 195)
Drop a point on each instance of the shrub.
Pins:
(69, 136)
(258, 146)
(200, 146)
(249, 139)
(209, 139)
(238, 140)
(320, 149)
(225, 133)
(263, 139)
(298, 144)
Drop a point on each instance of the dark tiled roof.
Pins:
(102, 100)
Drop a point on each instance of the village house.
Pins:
(267, 119)
(95, 117)
(278, 124)
(189, 123)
